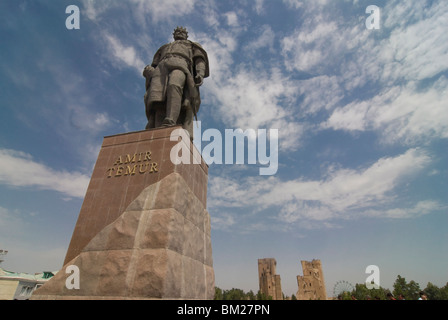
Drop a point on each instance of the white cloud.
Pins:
(232, 19)
(222, 222)
(399, 114)
(94, 8)
(249, 97)
(211, 16)
(124, 54)
(321, 42)
(416, 49)
(419, 209)
(163, 10)
(350, 117)
(220, 48)
(259, 7)
(18, 169)
(256, 99)
(84, 119)
(392, 65)
(266, 39)
(320, 93)
(399, 14)
(294, 3)
(342, 193)
(419, 50)
(142, 10)
(303, 210)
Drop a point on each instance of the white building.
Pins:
(20, 286)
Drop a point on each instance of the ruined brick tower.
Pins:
(311, 284)
(269, 281)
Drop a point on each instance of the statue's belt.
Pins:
(172, 55)
(189, 80)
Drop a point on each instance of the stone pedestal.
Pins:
(143, 231)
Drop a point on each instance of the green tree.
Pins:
(346, 295)
(361, 292)
(409, 290)
(218, 294)
(251, 295)
(262, 296)
(444, 292)
(433, 292)
(238, 294)
(413, 290)
(234, 294)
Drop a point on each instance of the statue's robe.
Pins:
(183, 55)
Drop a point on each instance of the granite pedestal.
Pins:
(143, 231)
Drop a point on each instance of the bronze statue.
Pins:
(172, 83)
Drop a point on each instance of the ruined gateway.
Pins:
(311, 284)
(269, 281)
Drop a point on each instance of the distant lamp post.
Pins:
(2, 254)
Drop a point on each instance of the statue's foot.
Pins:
(167, 122)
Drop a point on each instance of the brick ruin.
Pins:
(269, 281)
(311, 284)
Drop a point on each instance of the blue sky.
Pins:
(361, 115)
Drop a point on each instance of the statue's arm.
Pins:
(147, 72)
(158, 56)
(200, 71)
(156, 60)
(200, 60)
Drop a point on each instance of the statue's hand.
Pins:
(199, 80)
(147, 72)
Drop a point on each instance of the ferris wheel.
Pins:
(342, 286)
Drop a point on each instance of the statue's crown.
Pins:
(180, 30)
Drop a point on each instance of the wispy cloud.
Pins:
(421, 208)
(124, 54)
(400, 114)
(167, 10)
(10, 222)
(142, 10)
(223, 221)
(265, 39)
(341, 193)
(20, 170)
(401, 70)
(338, 57)
(248, 96)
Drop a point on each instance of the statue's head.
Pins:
(180, 33)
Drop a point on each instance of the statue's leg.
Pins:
(151, 116)
(188, 121)
(149, 112)
(159, 114)
(174, 93)
(151, 121)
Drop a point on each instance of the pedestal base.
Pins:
(158, 248)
